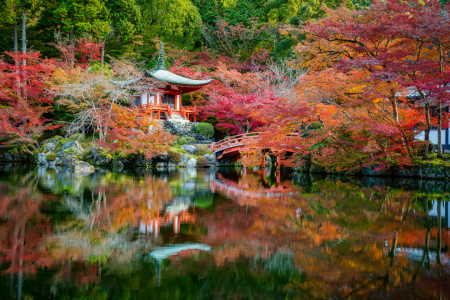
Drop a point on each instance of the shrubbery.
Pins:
(205, 129)
(186, 140)
(51, 156)
(201, 150)
(174, 157)
(202, 162)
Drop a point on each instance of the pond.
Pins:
(220, 234)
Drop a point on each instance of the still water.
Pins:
(220, 234)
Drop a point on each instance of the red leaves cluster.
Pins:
(134, 132)
(24, 93)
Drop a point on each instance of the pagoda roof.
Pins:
(169, 77)
(163, 75)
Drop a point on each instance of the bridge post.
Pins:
(279, 161)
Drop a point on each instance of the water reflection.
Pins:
(220, 234)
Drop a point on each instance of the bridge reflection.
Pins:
(252, 184)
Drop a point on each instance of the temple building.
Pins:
(166, 104)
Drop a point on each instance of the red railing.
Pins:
(236, 140)
(187, 111)
(240, 140)
(169, 110)
(150, 105)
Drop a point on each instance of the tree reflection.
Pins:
(22, 230)
(270, 237)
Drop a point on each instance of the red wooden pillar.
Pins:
(176, 224)
(279, 177)
(279, 161)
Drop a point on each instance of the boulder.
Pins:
(83, 168)
(76, 146)
(95, 152)
(127, 160)
(184, 160)
(42, 159)
(211, 159)
(69, 162)
(189, 148)
(192, 163)
(54, 140)
(17, 157)
(7, 156)
(142, 162)
(58, 161)
(100, 158)
(117, 165)
(163, 157)
(171, 165)
(49, 147)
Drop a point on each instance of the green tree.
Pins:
(174, 21)
(79, 17)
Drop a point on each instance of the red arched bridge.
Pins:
(232, 146)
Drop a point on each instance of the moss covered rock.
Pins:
(186, 140)
(201, 150)
(202, 162)
(174, 157)
(77, 137)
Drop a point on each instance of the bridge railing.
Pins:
(233, 141)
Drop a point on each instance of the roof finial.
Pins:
(161, 57)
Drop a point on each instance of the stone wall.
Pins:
(185, 129)
(423, 171)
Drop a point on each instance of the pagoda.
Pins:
(165, 103)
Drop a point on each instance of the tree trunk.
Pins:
(72, 48)
(16, 46)
(394, 105)
(440, 130)
(17, 63)
(427, 130)
(24, 48)
(102, 57)
(24, 32)
(439, 222)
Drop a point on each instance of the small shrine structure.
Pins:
(166, 104)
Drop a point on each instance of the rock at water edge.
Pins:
(192, 163)
(189, 148)
(42, 159)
